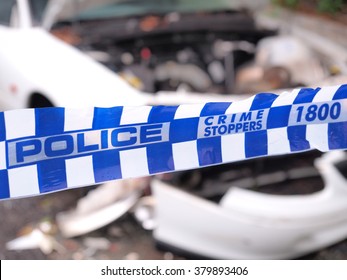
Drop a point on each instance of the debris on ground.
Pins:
(101, 206)
(37, 238)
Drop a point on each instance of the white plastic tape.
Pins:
(50, 149)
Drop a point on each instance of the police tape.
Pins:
(50, 149)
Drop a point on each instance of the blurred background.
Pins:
(164, 49)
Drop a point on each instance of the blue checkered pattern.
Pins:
(183, 147)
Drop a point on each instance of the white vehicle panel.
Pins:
(34, 61)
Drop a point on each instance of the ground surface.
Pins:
(126, 239)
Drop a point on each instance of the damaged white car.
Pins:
(112, 52)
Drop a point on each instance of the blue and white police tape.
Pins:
(50, 149)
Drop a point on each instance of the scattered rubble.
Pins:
(101, 206)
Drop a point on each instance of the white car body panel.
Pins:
(32, 60)
(249, 225)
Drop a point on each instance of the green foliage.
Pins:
(291, 3)
(330, 6)
(287, 3)
(324, 6)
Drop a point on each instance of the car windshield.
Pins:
(37, 8)
(139, 7)
(6, 11)
(67, 10)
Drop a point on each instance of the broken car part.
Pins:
(38, 238)
(276, 65)
(101, 206)
(144, 212)
(250, 225)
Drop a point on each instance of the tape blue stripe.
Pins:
(337, 135)
(52, 175)
(49, 121)
(209, 151)
(306, 95)
(297, 138)
(260, 149)
(341, 93)
(4, 185)
(278, 117)
(106, 166)
(214, 108)
(162, 114)
(263, 101)
(162, 163)
(107, 117)
(2, 127)
(184, 130)
(296, 134)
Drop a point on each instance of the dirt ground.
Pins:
(125, 239)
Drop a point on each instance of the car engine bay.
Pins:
(198, 52)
